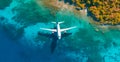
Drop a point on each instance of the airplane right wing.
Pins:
(53, 30)
(67, 28)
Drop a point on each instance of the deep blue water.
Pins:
(9, 50)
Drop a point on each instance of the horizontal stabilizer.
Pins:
(53, 22)
(61, 22)
(57, 22)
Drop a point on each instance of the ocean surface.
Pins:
(20, 23)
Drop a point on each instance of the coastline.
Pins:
(56, 5)
(61, 5)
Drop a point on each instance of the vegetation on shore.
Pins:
(106, 12)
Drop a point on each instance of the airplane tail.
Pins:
(57, 22)
(61, 22)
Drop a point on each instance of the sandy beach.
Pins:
(61, 5)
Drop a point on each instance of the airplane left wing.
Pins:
(67, 28)
(53, 30)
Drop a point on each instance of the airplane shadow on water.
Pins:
(54, 39)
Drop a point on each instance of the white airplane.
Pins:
(58, 30)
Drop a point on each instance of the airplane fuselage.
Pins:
(58, 31)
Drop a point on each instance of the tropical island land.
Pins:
(103, 12)
(106, 12)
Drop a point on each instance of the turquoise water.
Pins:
(20, 23)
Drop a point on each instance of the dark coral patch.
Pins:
(4, 3)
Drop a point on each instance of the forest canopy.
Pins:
(104, 11)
